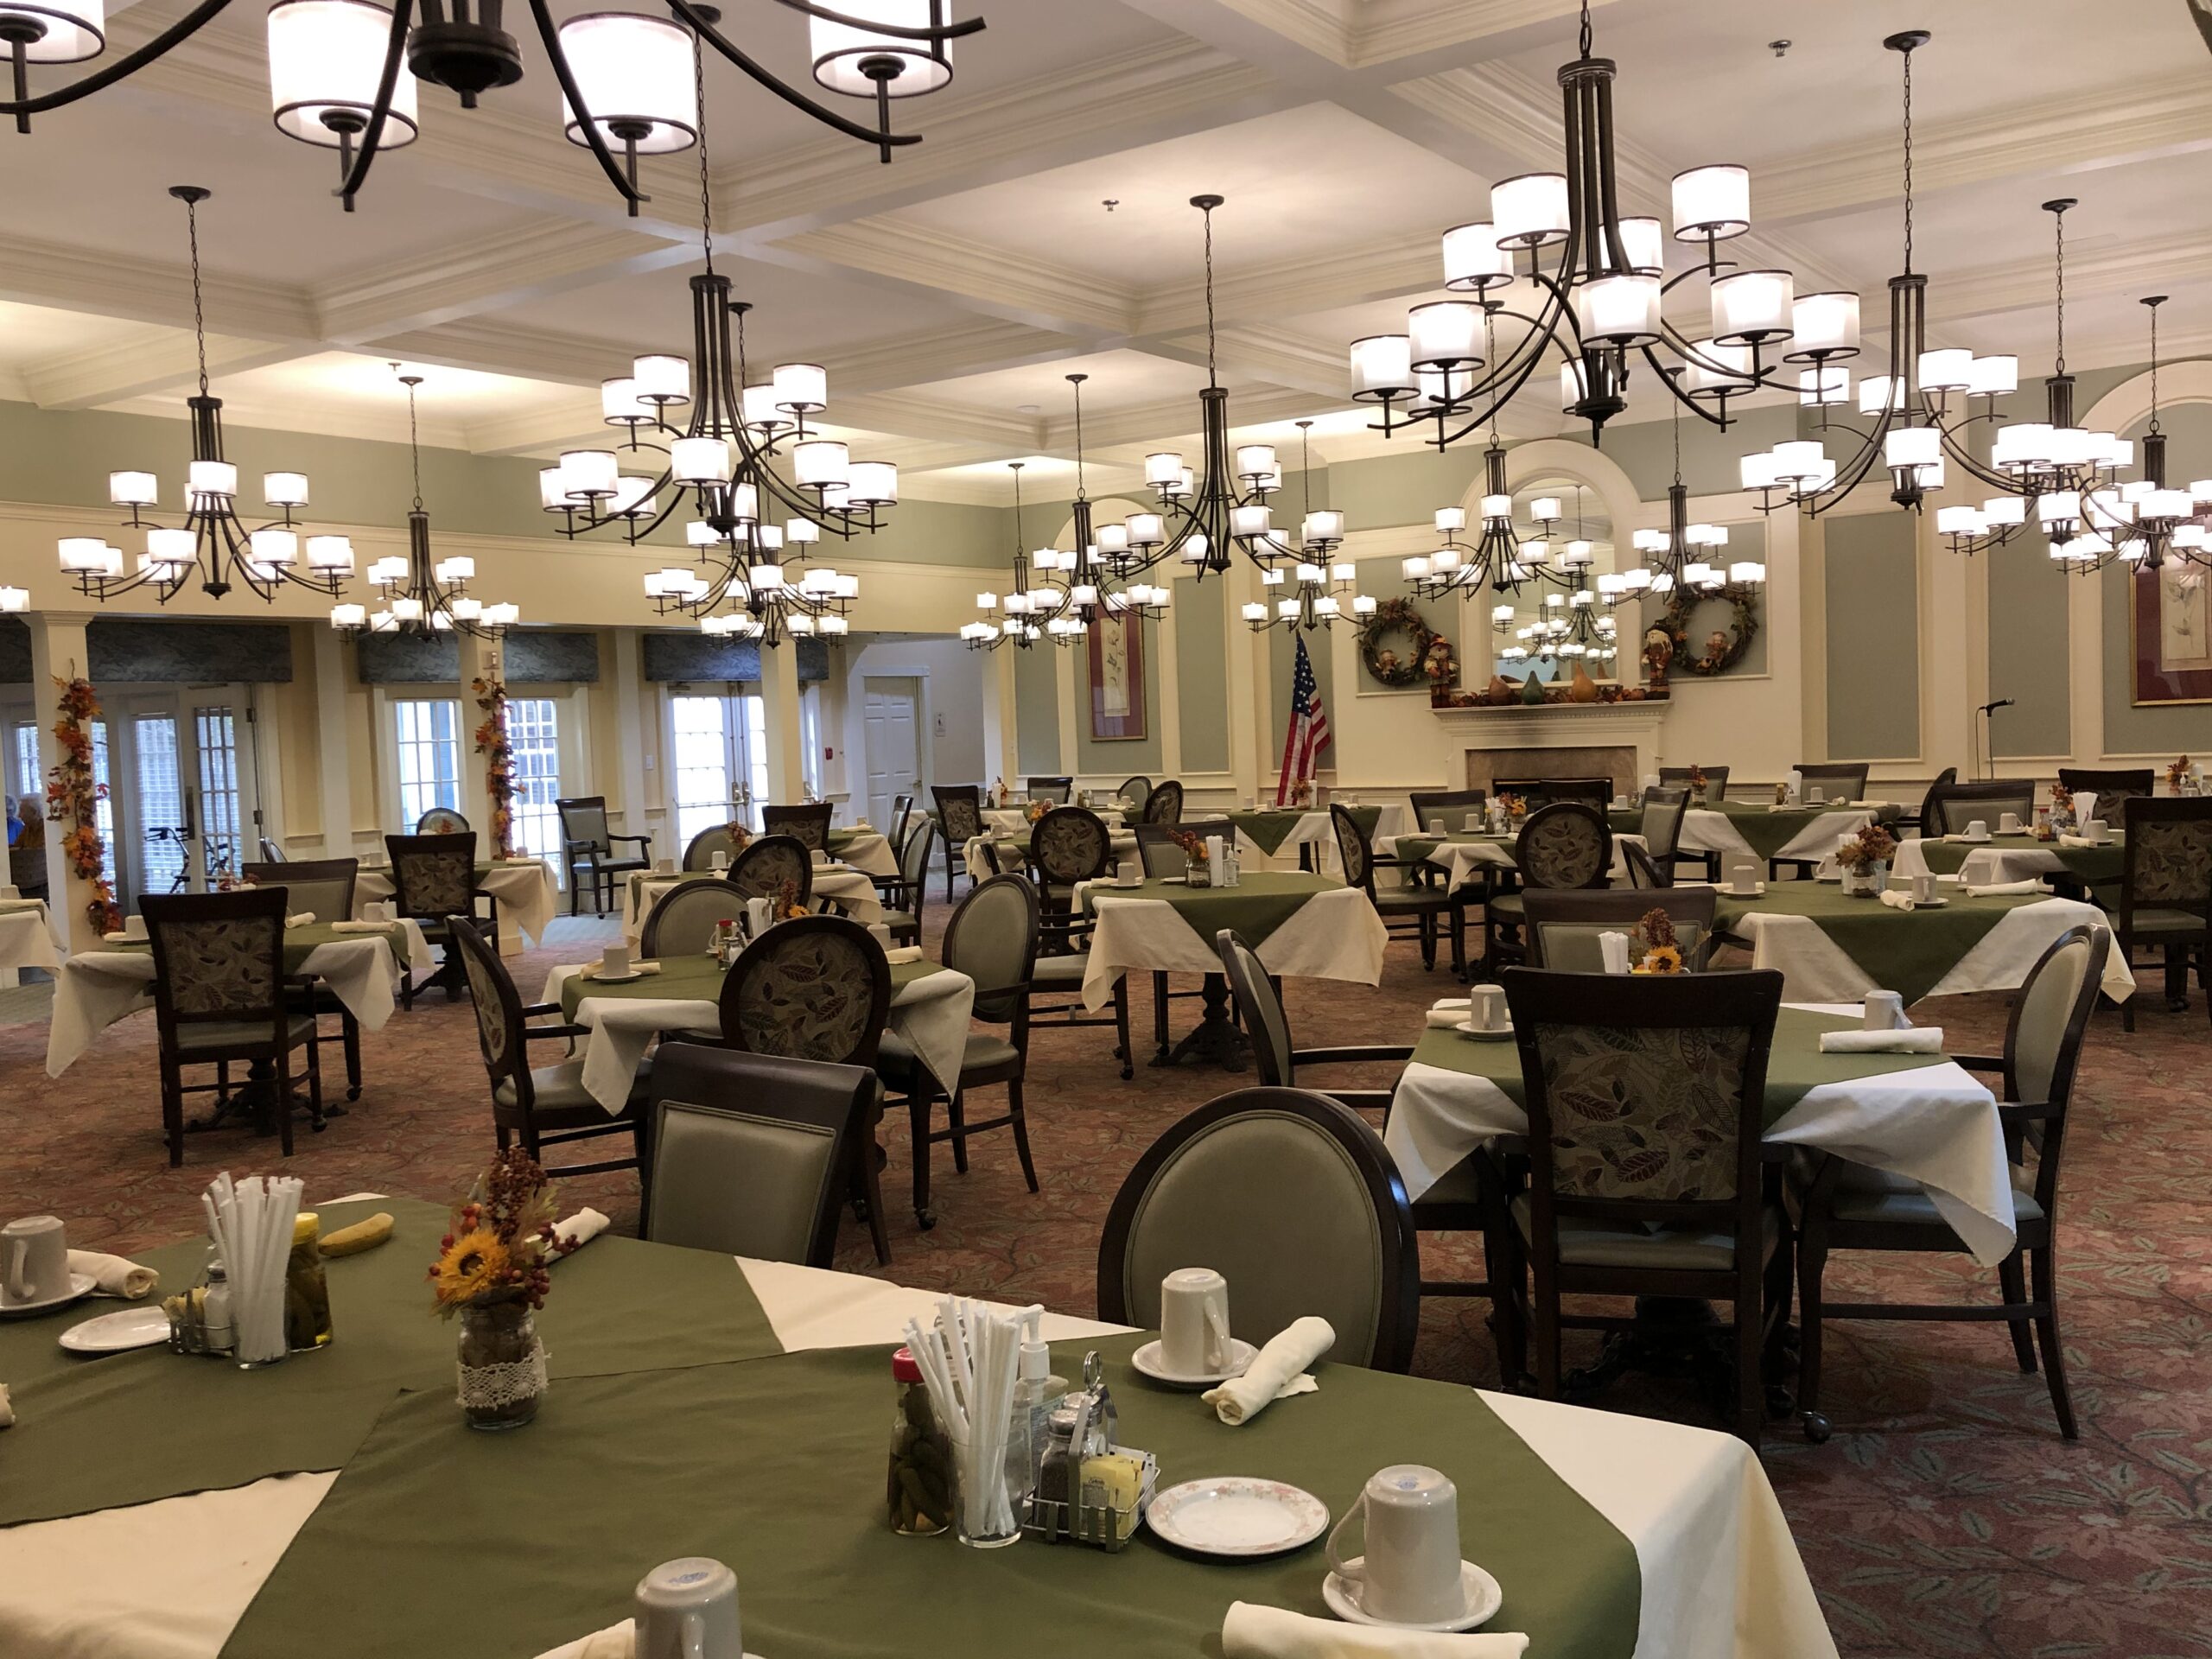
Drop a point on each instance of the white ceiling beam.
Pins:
(105, 284)
(988, 281)
(144, 361)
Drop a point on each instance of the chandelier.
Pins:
(343, 73)
(420, 597)
(1557, 256)
(212, 543)
(1320, 589)
(1683, 554)
(1032, 609)
(1568, 629)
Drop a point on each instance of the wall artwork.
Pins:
(2170, 615)
(1116, 648)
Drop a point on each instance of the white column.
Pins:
(1252, 769)
(58, 652)
(333, 758)
(630, 746)
(779, 704)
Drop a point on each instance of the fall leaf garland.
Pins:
(499, 762)
(73, 797)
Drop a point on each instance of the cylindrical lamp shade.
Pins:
(1530, 210)
(588, 474)
(553, 490)
(851, 58)
(618, 403)
(1824, 385)
(1254, 459)
(873, 484)
(662, 378)
(132, 489)
(801, 388)
(349, 616)
(699, 460)
(822, 462)
(743, 503)
(1472, 259)
(1750, 306)
(1712, 368)
(633, 498)
(1994, 377)
(1644, 244)
(284, 489)
(275, 547)
(1912, 446)
(1618, 310)
(1712, 201)
(1446, 333)
(1248, 521)
(761, 411)
(83, 555)
(635, 74)
(1163, 469)
(69, 31)
(214, 478)
(1145, 529)
(326, 60)
(1323, 527)
(330, 556)
(1382, 367)
(1823, 326)
(1950, 369)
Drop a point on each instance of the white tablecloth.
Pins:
(1721, 1576)
(1463, 860)
(870, 852)
(931, 1013)
(987, 856)
(1014, 820)
(1817, 969)
(1336, 934)
(29, 938)
(1315, 828)
(1705, 830)
(1934, 1123)
(95, 989)
(2012, 861)
(851, 888)
(524, 887)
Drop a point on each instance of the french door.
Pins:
(182, 813)
(534, 735)
(718, 769)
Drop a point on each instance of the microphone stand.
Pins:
(1988, 760)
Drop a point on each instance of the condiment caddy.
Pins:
(1089, 1489)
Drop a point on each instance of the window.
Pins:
(534, 734)
(160, 803)
(103, 812)
(428, 730)
(810, 740)
(28, 778)
(221, 832)
(719, 766)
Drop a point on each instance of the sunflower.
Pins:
(1663, 959)
(475, 1264)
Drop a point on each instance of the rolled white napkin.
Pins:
(2081, 840)
(582, 1228)
(114, 1275)
(1913, 1039)
(1614, 948)
(2000, 889)
(1447, 1011)
(1251, 1632)
(902, 953)
(1898, 899)
(299, 918)
(362, 927)
(615, 1642)
(861, 827)
(7, 1408)
(1276, 1372)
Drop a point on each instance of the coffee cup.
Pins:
(380, 910)
(1194, 1322)
(614, 962)
(1884, 1011)
(1977, 829)
(134, 926)
(1814, 795)
(1129, 872)
(34, 1260)
(2008, 823)
(687, 1609)
(718, 861)
(2096, 829)
(1472, 824)
(1744, 876)
(664, 866)
(1437, 826)
(1409, 1572)
(1486, 1007)
(1923, 886)
(880, 932)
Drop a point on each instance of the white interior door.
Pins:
(185, 814)
(891, 723)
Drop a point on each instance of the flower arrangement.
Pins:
(2062, 801)
(2176, 773)
(788, 908)
(73, 797)
(1516, 806)
(1698, 779)
(1193, 846)
(1660, 951)
(499, 762)
(1035, 811)
(1301, 793)
(500, 1241)
(1870, 846)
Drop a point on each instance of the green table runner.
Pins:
(1767, 830)
(300, 943)
(1905, 952)
(673, 879)
(1795, 1068)
(2091, 866)
(93, 1433)
(841, 839)
(1262, 902)
(1267, 828)
(776, 1468)
(697, 979)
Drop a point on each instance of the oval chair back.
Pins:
(1641, 872)
(1567, 844)
(441, 821)
(271, 852)
(728, 839)
(769, 864)
(500, 1020)
(817, 987)
(901, 806)
(1354, 848)
(1069, 844)
(1930, 803)
(1294, 1201)
(681, 921)
(321, 887)
(1164, 804)
(1136, 792)
(992, 939)
(1564, 923)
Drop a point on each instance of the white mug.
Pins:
(1743, 875)
(1472, 824)
(718, 860)
(1486, 1006)
(1814, 795)
(1129, 872)
(614, 962)
(1437, 826)
(134, 926)
(1194, 1322)
(1410, 1572)
(2008, 823)
(1977, 829)
(1923, 886)
(2096, 829)
(880, 932)
(664, 866)
(687, 1609)
(1884, 1011)
(34, 1260)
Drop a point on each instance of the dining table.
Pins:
(360, 961)
(1464, 854)
(1765, 830)
(1923, 1116)
(30, 936)
(1305, 838)
(863, 847)
(2001, 857)
(853, 891)
(160, 1506)
(524, 889)
(1004, 844)
(930, 1005)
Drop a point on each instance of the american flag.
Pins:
(1309, 727)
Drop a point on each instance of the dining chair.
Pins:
(219, 997)
(1056, 789)
(769, 864)
(441, 821)
(1056, 979)
(807, 824)
(902, 807)
(1416, 903)
(1837, 780)
(1645, 1111)
(1067, 845)
(752, 1153)
(271, 852)
(992, 939)
(1950, 807)
(434, 883)
(587, 847)
(546, 1105)
(1567, 844)
(960, 820)
(2166, 892)
(1290, 1197)
(1160, 851)
(683, 919)
(1641, 872)
(1164, 804)
(1716, 782)
(1917, 818)
(1562, 924)
(1452, 807)
(2107, 789)
(728, 839)
(1661, 826)
(1848, 1206)
(903, 894)
(1137, 791)
(815, 988)
(323, 889)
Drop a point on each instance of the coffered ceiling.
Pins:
(949, 292)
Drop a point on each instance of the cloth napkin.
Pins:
(636, 966)
(124, 939)
(2081, 840)
(1251, 1632)
(362, 927)
(1914, 1039)
(1276, 1373)
(7, 1408)
(2000, 889)
(861, 827)
(582, 1228)
(1898, 899)
(615, 1642)
(299, 918)
(1450, 1011)
(112, 1275)
(902, 953)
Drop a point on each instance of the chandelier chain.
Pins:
(415, 447)
(199, 316)
(1213, 379)
(706, 195)
(2154, 366)
(1586, 36)
(1079, 494)
(1908, 162)
(2058, 224)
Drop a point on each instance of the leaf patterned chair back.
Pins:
(808, 825)
(1354, 848)
(681, 921)
(1567, 844)
(2108, 789)
(762, 870)
(1164, 804)
(499, 1019)
(441, 821)
(2166, 891)
(323, 887)
(959, 812)
(434, 876)
(1056, 789)
(1069, 844)
(815, 988)
(219, 959)
(728, 839)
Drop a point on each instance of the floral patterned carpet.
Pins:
(1946, 1517)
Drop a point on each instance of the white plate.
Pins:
(1237, 1517)
(630, 978)
(1147, 1359)
(1483, 1599)
(81, 1284)
(110, 1333)
(1475, 1033)
(1728, 892)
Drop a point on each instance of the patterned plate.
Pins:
(1237, 1517)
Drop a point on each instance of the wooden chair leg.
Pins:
(575, 893)
(956, 1121)
(350, 1030)
(871, 1187)
(1121, 1027)
(1812, 1259)
(283, 1102)
(1428, 940)
(918, 1113)
(1020, 1126)
(1160, 1011)
(2013, 1279)
(1750, 1381)
(173, 1111)
(2043, 1266)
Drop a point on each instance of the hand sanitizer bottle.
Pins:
(1036, 1391)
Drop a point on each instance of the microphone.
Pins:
(2001, 703)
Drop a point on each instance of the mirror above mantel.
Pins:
(1552, 623)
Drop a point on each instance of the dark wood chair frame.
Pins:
(1624, 906)
(1164, 804)
(1150, 836)
(310, 995)
(807, 823)
(2176, 952)
(1058, 790)
(1948, 802)
(597, 855)
(449, 972)
(1496, 947)
(954, 849)
(2125, 782)
(908, 891)
(1427, 903)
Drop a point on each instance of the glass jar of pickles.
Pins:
(917, 1492)
(307, 1298)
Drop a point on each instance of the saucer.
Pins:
(1756, 890)
(80, 1285)
(1481, 1593)
(1237, 1517)
(1147, 1359)
(110, 1333)
(1475, 1033)
(597, 977)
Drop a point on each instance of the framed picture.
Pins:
(1116, 648)
(2170, 624)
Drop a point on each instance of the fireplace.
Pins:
(1618, 741)
(1613, 762)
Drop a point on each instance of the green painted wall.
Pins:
(1202, 674)
(2176, 728)
(1121, 756)
(1873, 612)
(1036, 709)
(2028, 596)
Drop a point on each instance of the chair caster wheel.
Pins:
(925, 1219)
(1128, 1070)
(1817, 1428)
(353, 1094)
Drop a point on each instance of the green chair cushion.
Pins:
(895, 1057)
(2165, 924)
(1506, 907)
(211, 1037)
(1875, 1195)
(1585, 1243)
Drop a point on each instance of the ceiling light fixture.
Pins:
(1035, 605)
(1319, 590)
(212, 544)
(342, 73)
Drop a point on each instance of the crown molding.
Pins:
(148, 290)
(1388, 31)
(148, 359)
(1387, 268)
(997, 280)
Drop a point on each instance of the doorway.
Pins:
(890, 714)
(184, 811)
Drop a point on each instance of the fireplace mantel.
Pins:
(1489, 733)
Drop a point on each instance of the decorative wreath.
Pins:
(1392, 617)
(1707, 660)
